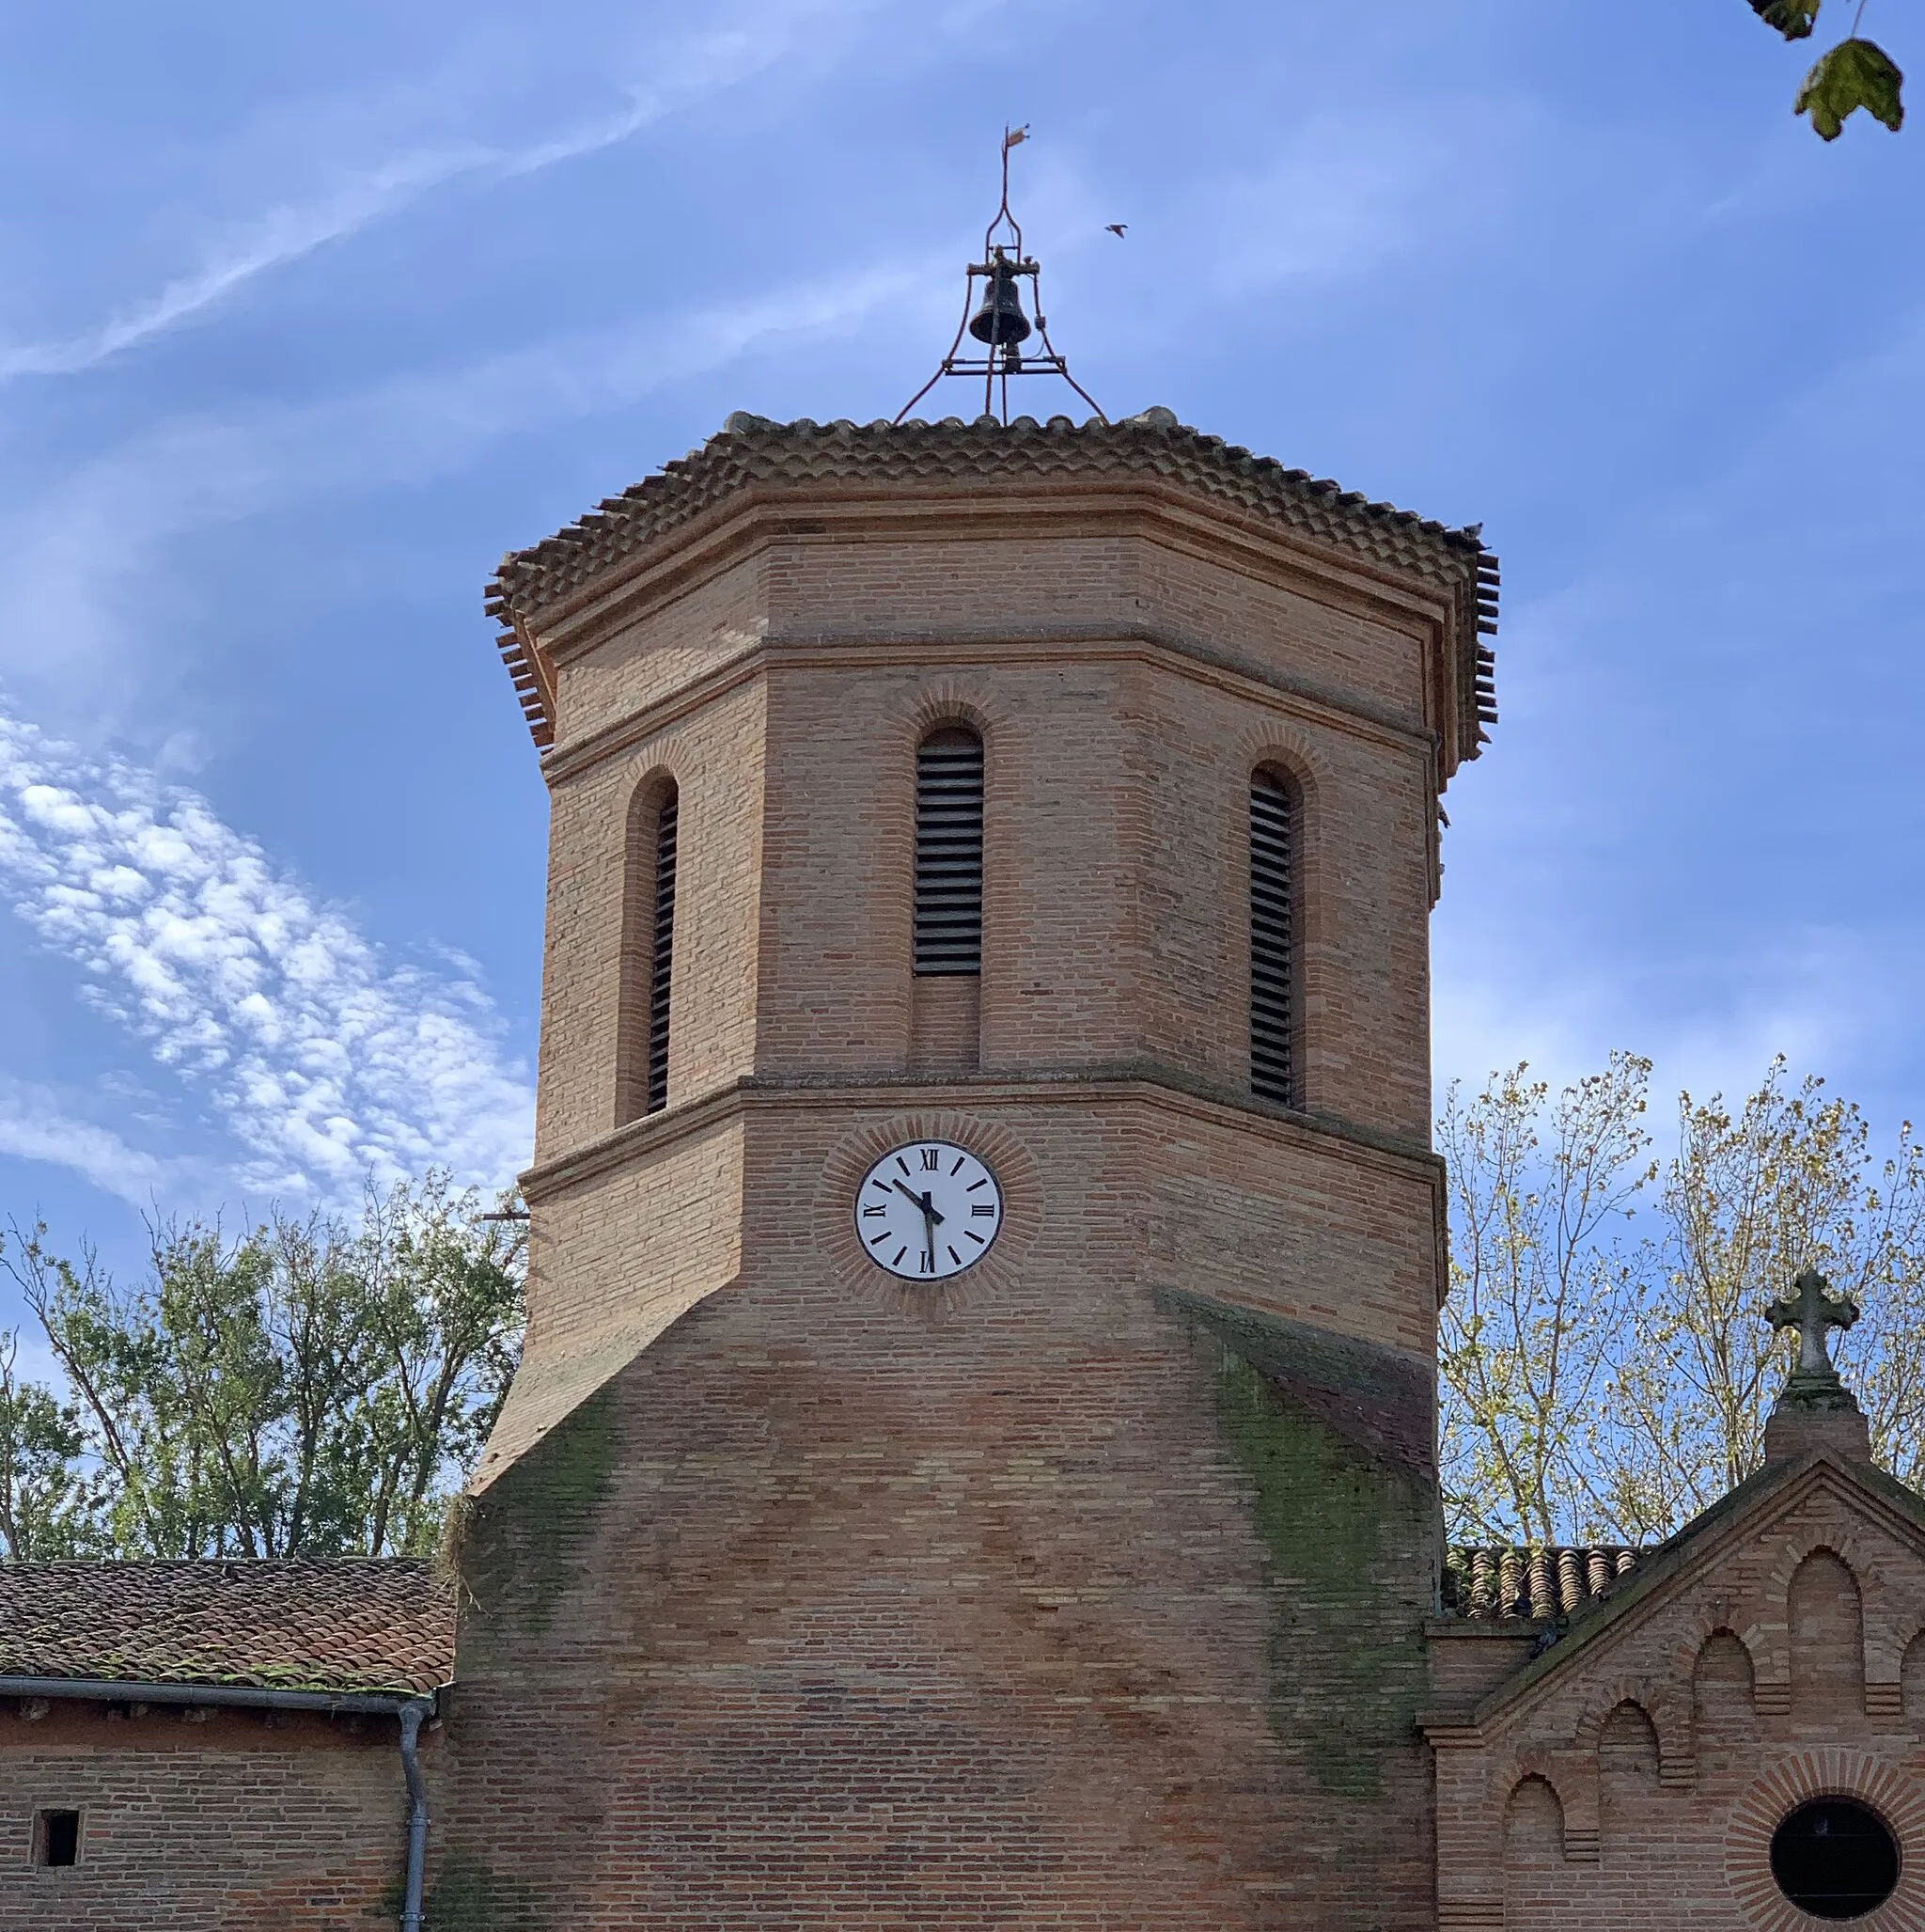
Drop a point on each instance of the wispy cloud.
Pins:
(325, 1060)
(681, 75)
(83, 552)
(282, 235)
(35, 1125)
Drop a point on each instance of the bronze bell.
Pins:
(1000, 320)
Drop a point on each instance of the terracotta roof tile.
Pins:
(1539, 1582)
(988, 455)
(350, 1625)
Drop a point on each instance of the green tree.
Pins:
(45, 1498)
(306, 1390)
(445, 1294)
(1526, 1336)
(1751, 1197)
(1597, 1386)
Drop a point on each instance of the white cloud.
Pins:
(325, 1061)
(1831, 1000)
(35, 1125)
(679, 73)
(284, 234)
(84, 551)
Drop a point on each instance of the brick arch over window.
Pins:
(1769, 1638)
(1718, 1622)
(1277, 933)
(1888, 1788)
(648, 949)
(1668, 1714)
(1571, 1777)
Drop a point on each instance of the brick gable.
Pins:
(1632, 1770)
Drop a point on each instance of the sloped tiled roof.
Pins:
(985, 455)
(1536, 1583)
(347, 1626)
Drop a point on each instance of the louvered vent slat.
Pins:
(662, 957)
(948, 854)
(1272, 958)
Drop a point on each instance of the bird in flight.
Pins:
(1116, 229)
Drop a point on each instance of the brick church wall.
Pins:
(1045, 1611)
(1640, 1780)
(231, 1824)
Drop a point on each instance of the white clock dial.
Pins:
(928, 1210)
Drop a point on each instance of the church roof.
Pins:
(1514, 1583)
(1656, 1572)
(350, 1625)
(536, 585)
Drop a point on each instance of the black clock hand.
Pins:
(931, 1212)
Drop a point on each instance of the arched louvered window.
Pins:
(948, 852)
(648, 954)
(1274, 835)
(662, 953)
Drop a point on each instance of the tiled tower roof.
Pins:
(535, 586)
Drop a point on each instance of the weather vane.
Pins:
(999, 323)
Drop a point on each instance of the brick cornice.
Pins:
(758, 522)
(975, 461)
(1161, 647)
(742, 1098)
(840, 481)
(1450, 1731)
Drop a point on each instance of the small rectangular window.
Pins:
(56, 1838)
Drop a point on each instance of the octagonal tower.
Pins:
(1066, 796)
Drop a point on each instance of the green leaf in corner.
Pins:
(1794, 19)
(1855, 73)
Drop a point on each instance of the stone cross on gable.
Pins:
(1811, 1311)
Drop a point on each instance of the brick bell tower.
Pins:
(951, 815)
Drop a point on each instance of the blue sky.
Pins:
(309, 314)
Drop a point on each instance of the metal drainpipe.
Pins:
(410, 1714)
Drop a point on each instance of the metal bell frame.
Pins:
(1002, 267)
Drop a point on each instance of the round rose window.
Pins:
(1835, 1859)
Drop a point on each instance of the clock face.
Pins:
(928, 1210)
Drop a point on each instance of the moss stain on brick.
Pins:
(470, 1897)
(523, 1544)
(1345, 1537)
